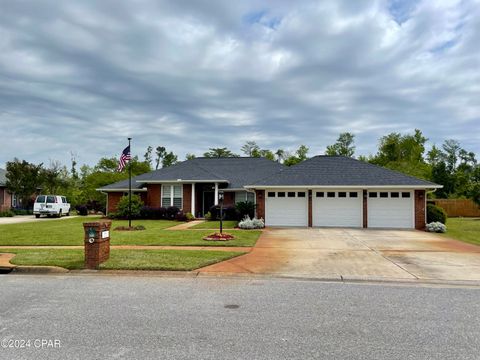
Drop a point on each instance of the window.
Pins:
(14, 200)
(241, 196)
(394, 195)
(291, 194)
(64, 200)
(372, 194)
(271, 194)
(405, 194)
(331, 194)
(250, 196)
(320, 194)
(353, 194)
(342, 194)
(281, 194)
(301, 194)
(40, 199)
(2, 196)
(51, 199)
(172, 195)
(384, 194)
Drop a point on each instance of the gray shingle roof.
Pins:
(339, 171)
(3, 177)
(238, 172)
(122, 185)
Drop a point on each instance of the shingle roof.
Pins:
(237, 172)
(3, 177)
(122, 185)
(325, 170)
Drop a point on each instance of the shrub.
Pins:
(153, 213)
(436, 227)
(229, 213)
(22, 212)
(123, 205)
(172, 212)
(248, 224)
(6, 213)
(208, 216)
(436, 214)
(181, 216)
(189, 216)
(245, 208)
(82, 210)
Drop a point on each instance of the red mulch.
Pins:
(219, 237)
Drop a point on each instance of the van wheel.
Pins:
(67, 214)
(60, 214)
(37, 215)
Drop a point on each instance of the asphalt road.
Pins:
(113, 317)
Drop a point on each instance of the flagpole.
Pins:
(130, 186)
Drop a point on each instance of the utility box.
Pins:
(97, 243)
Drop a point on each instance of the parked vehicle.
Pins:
(49, 205)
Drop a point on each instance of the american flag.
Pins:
(123, 158)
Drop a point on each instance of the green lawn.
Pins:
(464, 229)
(70, 232)
(228, 224)
(174, 260)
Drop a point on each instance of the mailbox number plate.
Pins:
(105, 234)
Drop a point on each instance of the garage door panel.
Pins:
(337, 211)
(391, 212)
(286, 211)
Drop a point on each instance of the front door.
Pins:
(208, 201)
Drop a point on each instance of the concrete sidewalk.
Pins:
(19, 219)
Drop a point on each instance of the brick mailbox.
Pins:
(97, 243)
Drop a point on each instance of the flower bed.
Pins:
(219, 237)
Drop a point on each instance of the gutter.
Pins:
(264, 187)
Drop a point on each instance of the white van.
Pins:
(51, 205)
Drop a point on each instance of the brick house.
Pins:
(330, 191)
(7, 200)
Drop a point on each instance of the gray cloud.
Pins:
(82, 76)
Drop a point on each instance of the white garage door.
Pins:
(390, 209)
(337, 208)
(286, 208)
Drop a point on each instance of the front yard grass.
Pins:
(228, 224)
(171, 260)
(70, 232)
(464, 229)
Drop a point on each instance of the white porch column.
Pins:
(216, 194)
(193, 199)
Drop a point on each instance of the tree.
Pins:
(55, 178)
(219, 153)
(343, 147)
(148, 155)
(250, 148)
(169, 159)
(190, 156)
(23, 179)
(300, 155)
(160, 151)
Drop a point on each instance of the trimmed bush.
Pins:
(189, 216)
(249, 224)
(229, 213)
(436, 214)
(123, 205)
(181, 216)
(172, 212)
(7, 213)
(82, 210)
(245, 208)
(153, 213)
(436, 227)
(22, 212)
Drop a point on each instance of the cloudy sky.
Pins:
(82, 76)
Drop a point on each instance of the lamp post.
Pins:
(220, 200)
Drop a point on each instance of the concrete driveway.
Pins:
(357, 254)
(29, 218)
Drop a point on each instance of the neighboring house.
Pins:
(7, 200)
(330, 191)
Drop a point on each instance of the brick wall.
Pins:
(187, 198)
(5, 199)
(228, 198)
(260, 209)
(420, 202)
(113, 199)
(153, 195)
